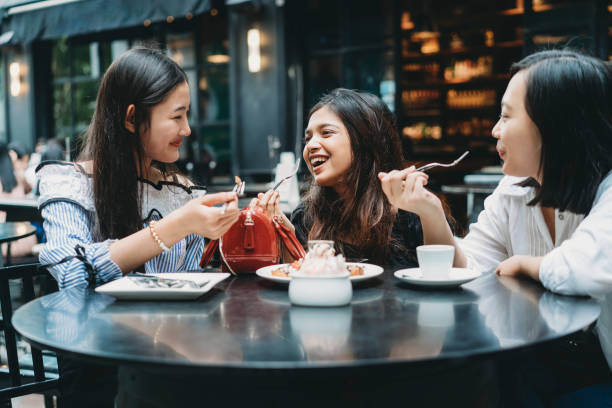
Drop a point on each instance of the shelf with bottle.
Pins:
(476, 18)
(478, 70)
(474, 131)
(413, 115)
(454, 71)
(493, 80)
(409, 55)
(542, 6)
(412, 18)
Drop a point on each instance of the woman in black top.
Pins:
(350, 138)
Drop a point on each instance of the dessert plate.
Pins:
(126, 288)
(369, 271)
(457, 277)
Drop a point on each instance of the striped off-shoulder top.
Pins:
(67, 206)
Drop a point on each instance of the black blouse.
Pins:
(407, 230)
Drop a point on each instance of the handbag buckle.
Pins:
(249, 219)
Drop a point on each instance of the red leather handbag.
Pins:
(254, 241)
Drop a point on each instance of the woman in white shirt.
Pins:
(550, 218)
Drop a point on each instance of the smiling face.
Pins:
(327, 150)
(519, 143)
(167, 128)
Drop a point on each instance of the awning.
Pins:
(48, 19)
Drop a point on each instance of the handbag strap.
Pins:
(208, 253)
(289, 240)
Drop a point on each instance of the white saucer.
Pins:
(457, 276)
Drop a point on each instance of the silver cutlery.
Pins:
(238, 189)
(152, 281)
(432, 165)
(293, 173)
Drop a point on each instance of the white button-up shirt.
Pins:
(579, 262)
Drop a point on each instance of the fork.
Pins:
(238, 189)
(432, 165)
(293, 173)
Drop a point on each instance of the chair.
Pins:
(41, 383)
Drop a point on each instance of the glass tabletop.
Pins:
(248, 322)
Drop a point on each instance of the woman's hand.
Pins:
(405, 189)
(199, 216)
(520, 265)
(270, 203)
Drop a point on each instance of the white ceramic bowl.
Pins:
(329, 290)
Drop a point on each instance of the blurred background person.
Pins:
(13, 162)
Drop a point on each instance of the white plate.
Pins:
(369, 271)
(124, 288)
(457, 276)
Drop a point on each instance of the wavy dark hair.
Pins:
(569, 98)
(368, 218)
(143, 77)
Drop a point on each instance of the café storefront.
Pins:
(255, 68)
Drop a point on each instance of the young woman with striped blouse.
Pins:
(122, 206)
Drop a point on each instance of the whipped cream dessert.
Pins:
(322, 260)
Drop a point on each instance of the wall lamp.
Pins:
(254, 54)
(15, 78)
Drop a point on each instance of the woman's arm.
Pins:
(582, 265)
(68, 225)
(196, 217)
(270, 202)
(405, 190)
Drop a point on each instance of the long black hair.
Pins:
(142, 77)
(569, 98)
(7, 172)
(368, 218)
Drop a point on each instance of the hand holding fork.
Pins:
(405, 189)
(293, 173)
(238, 189)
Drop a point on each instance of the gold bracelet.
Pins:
(156, 237)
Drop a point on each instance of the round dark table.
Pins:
(20, 209)
(12, 231)
(247, 325)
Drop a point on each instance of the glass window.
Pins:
(2, 104)
(181, 49)
(323, 75)
(366, 71)
(203, 53)
(60, 61)
(213, 94)
(213, 41)
(106, 55)
(370, 22)
(82, 60)
(212, 145)
(84, 103)
(192, 79)
(323, 28)
(61, 106)
(77, 68)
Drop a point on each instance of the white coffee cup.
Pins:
(435, 261)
